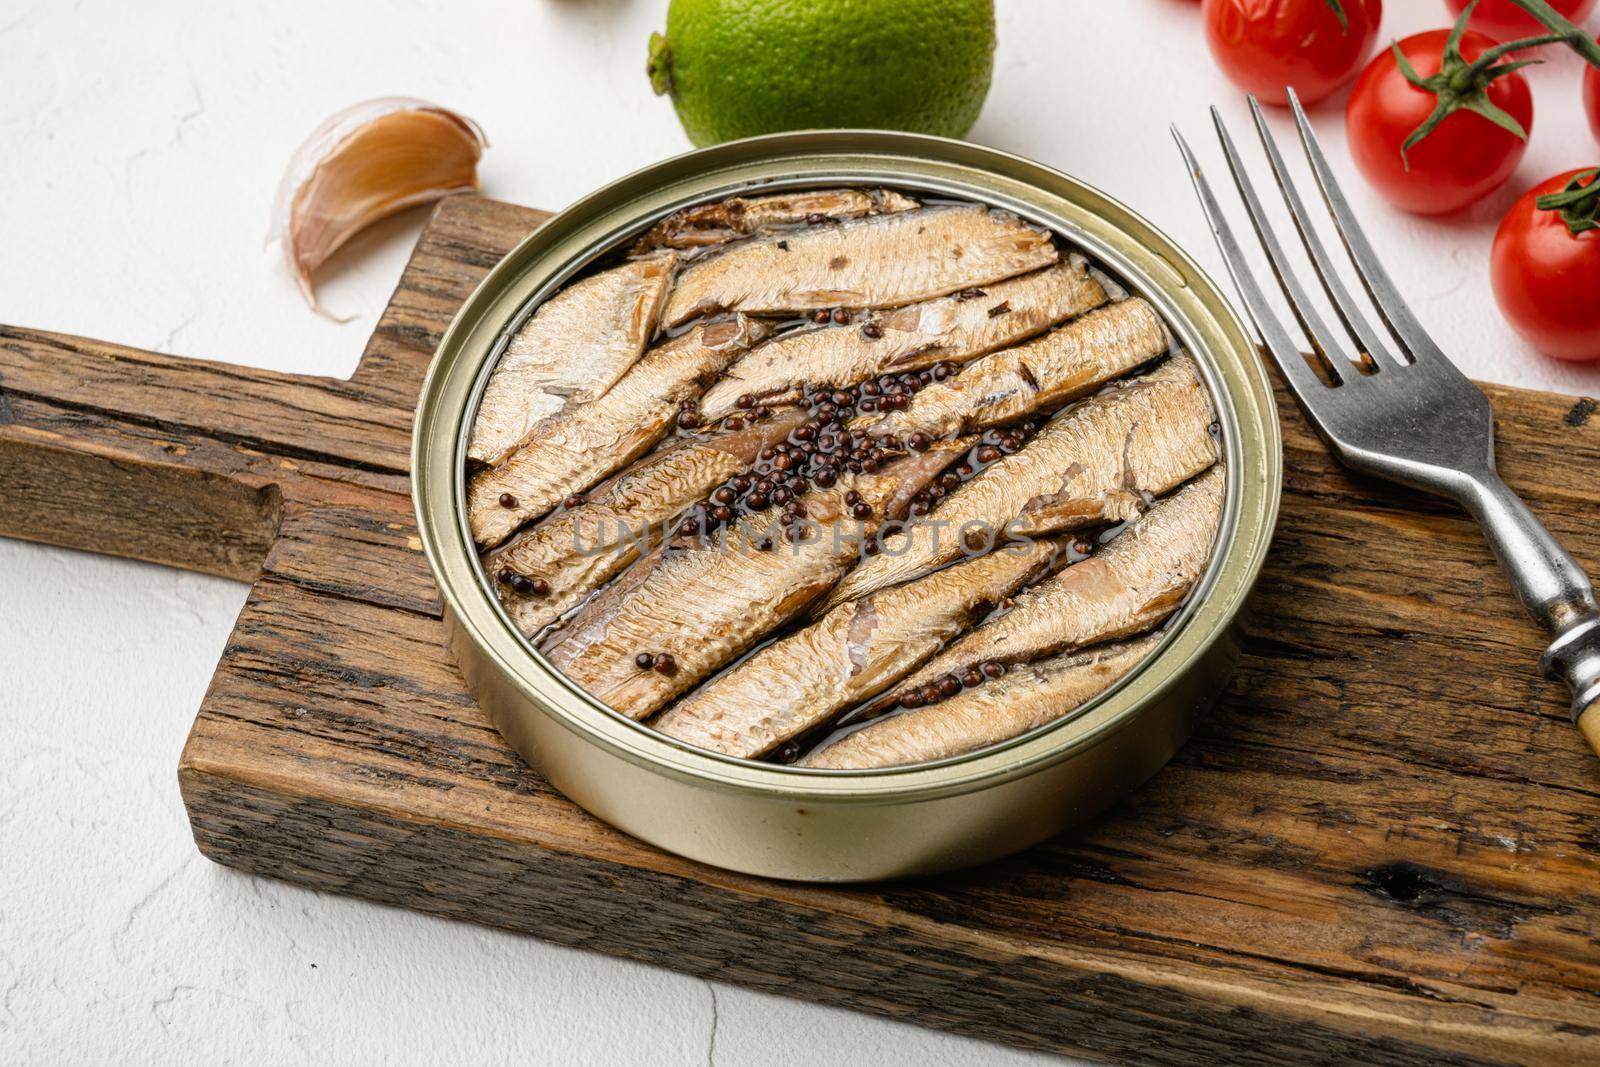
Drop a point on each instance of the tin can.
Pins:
(840, 826)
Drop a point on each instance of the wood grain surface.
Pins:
(1383, 846)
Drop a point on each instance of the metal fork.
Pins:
(1395, 406)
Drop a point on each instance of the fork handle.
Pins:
(1551, 586)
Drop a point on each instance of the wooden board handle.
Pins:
(192, 463)
(158, 458)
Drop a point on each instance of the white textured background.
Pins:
(139, 147)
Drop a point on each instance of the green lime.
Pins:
(736, 68)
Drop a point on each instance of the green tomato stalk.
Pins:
(1463, 86)
(1572, 36)
(1578, 205)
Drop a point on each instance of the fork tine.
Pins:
(1323, 340)
(1385, 295)
(1349, 312)
(1284, 349)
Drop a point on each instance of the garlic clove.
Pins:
(366, 162)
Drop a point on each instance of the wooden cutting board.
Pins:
(1383, 847)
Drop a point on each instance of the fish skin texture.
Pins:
(1027, 697)
(881, 261)
(705, 606)
(706, 225)
(946, 329)
(855, 652)
(576, 447)
(1098, 463)
(1131, 585)
(1063, 365)
(577, 550)
(574, 348)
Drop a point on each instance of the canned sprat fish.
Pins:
(845, 505)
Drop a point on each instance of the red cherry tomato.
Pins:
(1463, 160)
(1505, 21)
(1591, 97)
(1546, 279)
(1264, 45)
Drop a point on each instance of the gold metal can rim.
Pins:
(1108, 232)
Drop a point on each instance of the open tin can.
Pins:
(829, 825)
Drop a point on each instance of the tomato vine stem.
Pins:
(1567, 33)
(1578, 205)
(1463, 86)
